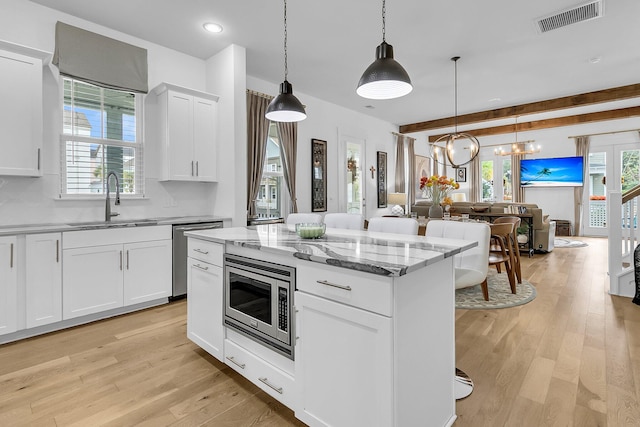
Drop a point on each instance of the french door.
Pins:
(612, 168)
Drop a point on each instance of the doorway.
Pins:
(352, 189)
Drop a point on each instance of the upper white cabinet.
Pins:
(21, 110)
(8, 285)
(189, 128)
(43, 270)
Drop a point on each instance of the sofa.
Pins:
(543, 228)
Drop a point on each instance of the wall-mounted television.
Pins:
(551, 172)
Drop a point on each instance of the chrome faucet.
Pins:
(107, 209)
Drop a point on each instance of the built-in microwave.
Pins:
(258, 299)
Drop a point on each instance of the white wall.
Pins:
(35, 200)
(555, 142)
(327, 121)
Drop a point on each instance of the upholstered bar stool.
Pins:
(297, 218)
(350, 221)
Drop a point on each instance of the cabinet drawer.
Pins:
(367, 291)
(205, 251)
(272, 380)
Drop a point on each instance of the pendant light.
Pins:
(518, 148)
(460, 148)
(384, 78)
(285, 107)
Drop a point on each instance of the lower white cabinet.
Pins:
(43, 279)
(106, 269)
(93, 280)
(204, 307)
(205, 297)
(8, 285)
(344, 364)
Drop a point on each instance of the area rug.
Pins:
(500, 295)
(566, 243)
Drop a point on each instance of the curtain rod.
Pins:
(260, 94)
(605, 133)
(402, 135)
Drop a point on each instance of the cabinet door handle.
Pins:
(127, 259)
(192, 168)
(266, 382)
(11, 257)
(58, 250)
(120, 260)
(197, 169)
(205, 268)
(335, 285)
(232, 360)
(200, 251)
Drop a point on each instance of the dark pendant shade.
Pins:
(285, 107)
(385, 78)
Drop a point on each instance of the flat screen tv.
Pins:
(551, 172)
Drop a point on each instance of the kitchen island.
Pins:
(373, 323)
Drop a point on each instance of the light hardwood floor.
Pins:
(569, 358)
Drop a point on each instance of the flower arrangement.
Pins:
(438, 188)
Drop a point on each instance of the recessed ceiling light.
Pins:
(595, 59)
(495, 100)
(213, 27)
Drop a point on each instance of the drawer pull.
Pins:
(335, 285)
(200, 251)
(266, 382)
(232, 360)
(201, 267)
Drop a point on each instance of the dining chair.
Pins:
(297, 218)
(503, 255)
(394, 225)
(350, 221)
(514, 242)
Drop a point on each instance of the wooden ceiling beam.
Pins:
(599, 116)
(600, 96)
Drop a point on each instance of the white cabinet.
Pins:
(105, 269)
(43, 279)
(145, 278)
(204, 296)
(8, 285)
(189, 121)
(21, 110)
(344, 364)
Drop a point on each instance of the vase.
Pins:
(435, 211)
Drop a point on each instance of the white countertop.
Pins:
(377, 253)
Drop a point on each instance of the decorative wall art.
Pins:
(423, 168)
(461, 175)
(318, 175)
(382, 179)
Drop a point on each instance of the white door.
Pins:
(204, 139)
(92, 280)
(147, 271)
(343, 345)
(43, 279)
(180, 137)
(204, 307)
(351, 161)
(614, 167)
(8, 285)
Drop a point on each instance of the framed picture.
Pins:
(382, 179)
(423, 168)
(318, 175)
(461, 174)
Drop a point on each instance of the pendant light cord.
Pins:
(384, 19)
(455, 94)
(286, 68)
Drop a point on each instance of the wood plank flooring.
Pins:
(569, 358)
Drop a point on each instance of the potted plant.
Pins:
(523, 233)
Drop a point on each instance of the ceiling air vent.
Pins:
(584, 12)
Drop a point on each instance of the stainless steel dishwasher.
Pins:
(180, 254)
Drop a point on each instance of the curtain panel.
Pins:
(582, 149)
(411, 189)
(518, 192)
(399, 176)
(100, 60)
(257, 132)
(289, 143)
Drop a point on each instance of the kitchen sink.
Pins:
(94, 225)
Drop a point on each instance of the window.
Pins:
(487, 181)
(270, 202)
(101, 129)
